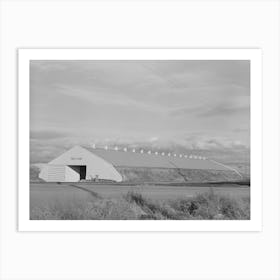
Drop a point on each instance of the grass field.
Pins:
(78, 201)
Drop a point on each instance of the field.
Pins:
(80, 201)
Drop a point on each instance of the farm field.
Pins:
(47, 191)
(109, 201)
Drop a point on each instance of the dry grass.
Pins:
(134, 206)
(95, 209)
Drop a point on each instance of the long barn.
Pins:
(92, 164)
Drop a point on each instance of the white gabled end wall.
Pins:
(58, 170)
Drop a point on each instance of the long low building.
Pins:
(81, 163)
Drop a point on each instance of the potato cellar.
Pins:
(123, 164)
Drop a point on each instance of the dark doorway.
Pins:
(81, 169)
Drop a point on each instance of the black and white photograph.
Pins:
(139, 139)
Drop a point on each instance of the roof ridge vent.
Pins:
(150, 152)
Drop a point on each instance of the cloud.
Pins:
(43, 151)
(226, 110)
(218, 144)
(104, 97)
(46, 134)
(241, 130)
(47, 65)
(139, 101)
(198, 142)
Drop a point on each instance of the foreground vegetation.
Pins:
(134, 206)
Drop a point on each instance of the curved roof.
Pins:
(135, 159)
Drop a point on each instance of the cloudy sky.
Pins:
(196, 104)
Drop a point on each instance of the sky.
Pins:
(199, 104)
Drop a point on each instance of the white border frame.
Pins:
(254, 55)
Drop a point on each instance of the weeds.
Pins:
(209, 206)
(134, 206)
